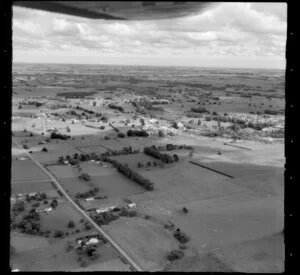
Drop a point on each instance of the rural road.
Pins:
(135, 266)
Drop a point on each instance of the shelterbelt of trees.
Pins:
(163, 157)
(125, 170)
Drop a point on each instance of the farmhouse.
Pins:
(22, 158)
(89, 199)
(91, 210)
(106, 209)
(131, 205)
(88, 240)
(92, 241)
(46, 210)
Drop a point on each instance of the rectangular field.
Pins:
(59, 218)
(55, 258)
(24, 170)
(55, 150)
(212, 226)
(34, 186)
(132, 160)
(24, 242)
(145, 241)
(184, 182)
(110, 182)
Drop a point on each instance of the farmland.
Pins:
(206, 195)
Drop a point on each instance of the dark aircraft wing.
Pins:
(117, 10)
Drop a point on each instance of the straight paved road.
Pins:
(113, 243)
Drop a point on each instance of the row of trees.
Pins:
(104, 218)
(37, 197)
(88, 111)
(240, 122)
(124, 151)
(55, 135)
(125, 170)
(113, 106)
(75, 94)
(73, 160)
(272, 112)
(137, 133)
(170, 147)
(109, 216)
(36, 103)
(148, 164)
(199, 110)
(163, 157)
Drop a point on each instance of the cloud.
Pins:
(226, 29)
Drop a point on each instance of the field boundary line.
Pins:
(238, 146)
(87, 146)
(214, 170)
(87, 217)
(28, 181)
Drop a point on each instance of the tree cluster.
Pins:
(54, 203)
(89, 251)
(91, 193)
(181, 236)
(163, 157)
(126, 213)
(175, 255)
(121, 135)
(71, 224)
(25, 146)
(104, 218)
(18, 207)
(44, 149)
(84, 177)
(58, 234)
(30, 223)
(37, 197)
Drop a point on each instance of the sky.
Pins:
(233, 35)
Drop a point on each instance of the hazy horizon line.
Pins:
(168, 66)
